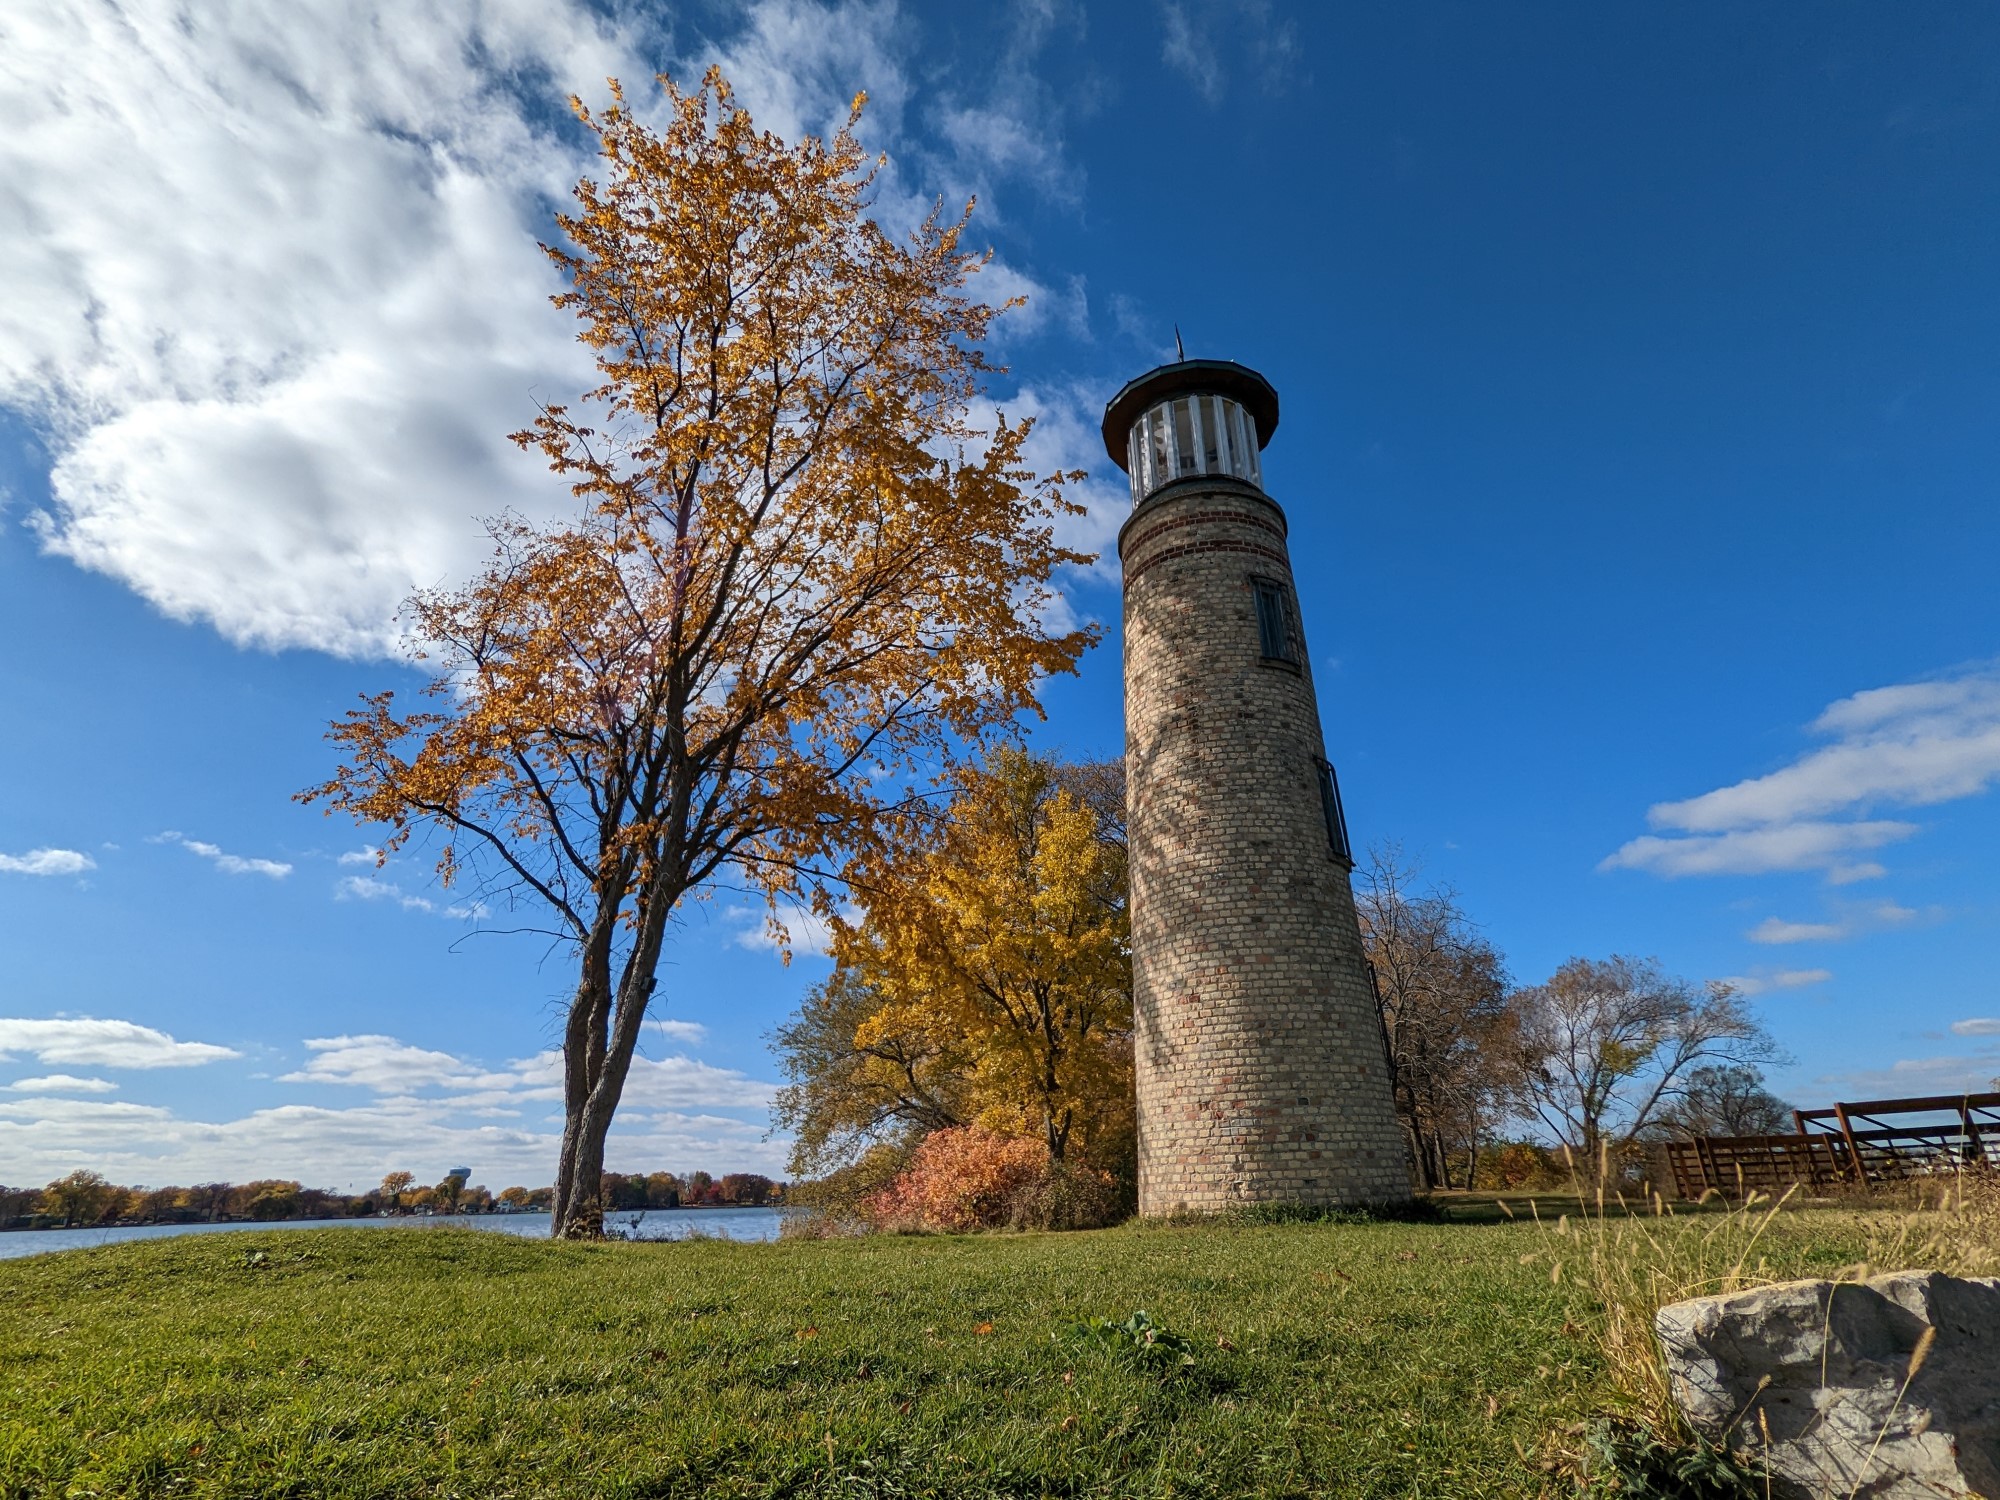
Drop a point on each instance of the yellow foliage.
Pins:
(1008, 934)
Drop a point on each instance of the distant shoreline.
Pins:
(517, 1213)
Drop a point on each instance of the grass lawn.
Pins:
(1379, 1359)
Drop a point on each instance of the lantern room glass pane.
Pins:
(1190, 435)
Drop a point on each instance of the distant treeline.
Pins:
(87, 1200)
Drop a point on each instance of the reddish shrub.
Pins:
(959, 1180)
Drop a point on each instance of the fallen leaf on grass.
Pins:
(982, 1328)
(809, 1332)
(1223, 1343)
(1069, 1424)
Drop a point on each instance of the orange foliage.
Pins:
(959, 1180)
(804, 575)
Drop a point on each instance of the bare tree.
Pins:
(1442, 992)
(1607, 1045)
(1726, 1099)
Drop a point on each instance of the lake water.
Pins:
(653, 1224)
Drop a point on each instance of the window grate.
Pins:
(1336, 817)
(1277, 632)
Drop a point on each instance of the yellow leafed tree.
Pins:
(803, 574)
(1007, 942)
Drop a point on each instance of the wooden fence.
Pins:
(1874, 1140)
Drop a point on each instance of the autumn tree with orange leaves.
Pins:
(803, 578)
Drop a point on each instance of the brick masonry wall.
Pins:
(1261, 1075)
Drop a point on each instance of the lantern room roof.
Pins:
(1208, 377)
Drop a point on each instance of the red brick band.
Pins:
(1198, 517)
(1192, 549)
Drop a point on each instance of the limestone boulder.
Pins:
(1825, 1369)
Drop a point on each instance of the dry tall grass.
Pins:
(1627, 1261)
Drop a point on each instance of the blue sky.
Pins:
(1639, 446)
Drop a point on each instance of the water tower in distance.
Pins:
(1261, 1071)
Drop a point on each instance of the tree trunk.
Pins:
(597, 1054)
(1413, 1141)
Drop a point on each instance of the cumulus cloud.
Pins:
(670, 1084)
(104, 1044)
(388, 1066)
(276, 293)
(1852, 920)
(1782, 979)
(62, 1083)
(1910, 745)
(797, 929)
(41, 1138)
(275, 297)
(679, 1031)
(46, 862)
(1760, 851)
(1977, 1026)
(424, 1109)
(368, 854)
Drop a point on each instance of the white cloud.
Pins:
(801, 929)
(1918, 1077)
(104, 1044)
(1977, 1026)
(1759, 851)
(62, 1083)
(1853, 919)
(275, 297)
(1197, 35)
(388, 1066)
(46, 862)
(42, 1138)
(392, 1067)
(1911, 745)
(1067, 436)
(1777, 930)
(368, 854)
(1189, 51)
(1783, 979)
(679, 1031)
(430, 1109)
(671, 1083)
(275, 293)
(229, 864)
(235, 864)
(367, 888)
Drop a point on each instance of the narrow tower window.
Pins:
(1275, 632)
(1336, 818)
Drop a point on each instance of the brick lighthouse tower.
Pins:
(1261, 1074)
